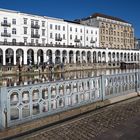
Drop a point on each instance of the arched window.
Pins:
(13, 41)
(14, 31)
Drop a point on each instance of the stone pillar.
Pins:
(53, 57)
(4, 58)
(45, 57)
(14, 57)
(68, 57)
(106, 57)
(25, 57)
(61, 57)
(74, 58)
(86, 57)
(35, 57)
(97, 57)
(91, 58)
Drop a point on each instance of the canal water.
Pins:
(10, 81)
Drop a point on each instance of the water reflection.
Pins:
(34, 79)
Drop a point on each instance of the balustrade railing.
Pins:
(21, 104)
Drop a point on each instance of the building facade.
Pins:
(113, 32)
(137, 44)
(32, 31)
(27, 39)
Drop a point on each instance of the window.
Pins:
(106, 25)
(87, 31)
(59, 36)
(25, 30)
(36, 41)
(96, 39)
(70, 28)
(43, 41)
(43, 23)
(32, 41)
(106, 38)
(14, 21)
(25, 40)
(64, 36)
(25, 21)
(5, 41)
(80, 37)
(32, 22)
(63, 28)
(14, 31)
(5, 20)
(81, 30)
(70, 37)
(13, 41)
(56, 35)
(55, 27)
(75, 29)
(5, 30)
(51, 26)
(32, 31)
(91, 32)
(36, 31)
(51, 36)
(106, 31)
(43, 32)
(36, 22)
(87, 39)
(59, 27)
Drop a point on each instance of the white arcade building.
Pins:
(31, 39)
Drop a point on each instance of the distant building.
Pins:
(27, 39)
(113, 32)
(32, 33)
(137, 44)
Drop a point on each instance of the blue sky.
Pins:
(128, 10)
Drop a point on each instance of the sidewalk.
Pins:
(116, 122)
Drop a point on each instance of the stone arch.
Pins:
(71, 59)
(40, 56)
(77, 56)
(109, 57)
(1, 57)
(103, 57)
(89, 57)
(83, 53)
(64, 56)
(99, 57)
(49, 56)
(30, 57)
(9, 56)
(94, 57)
(57, 57)
(19, 56)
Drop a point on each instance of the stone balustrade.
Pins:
(25, 103)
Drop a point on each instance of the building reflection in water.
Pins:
(10, 81)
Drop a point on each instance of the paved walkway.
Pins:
(117, 122)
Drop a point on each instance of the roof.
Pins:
(75, 22)
(105, 16)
